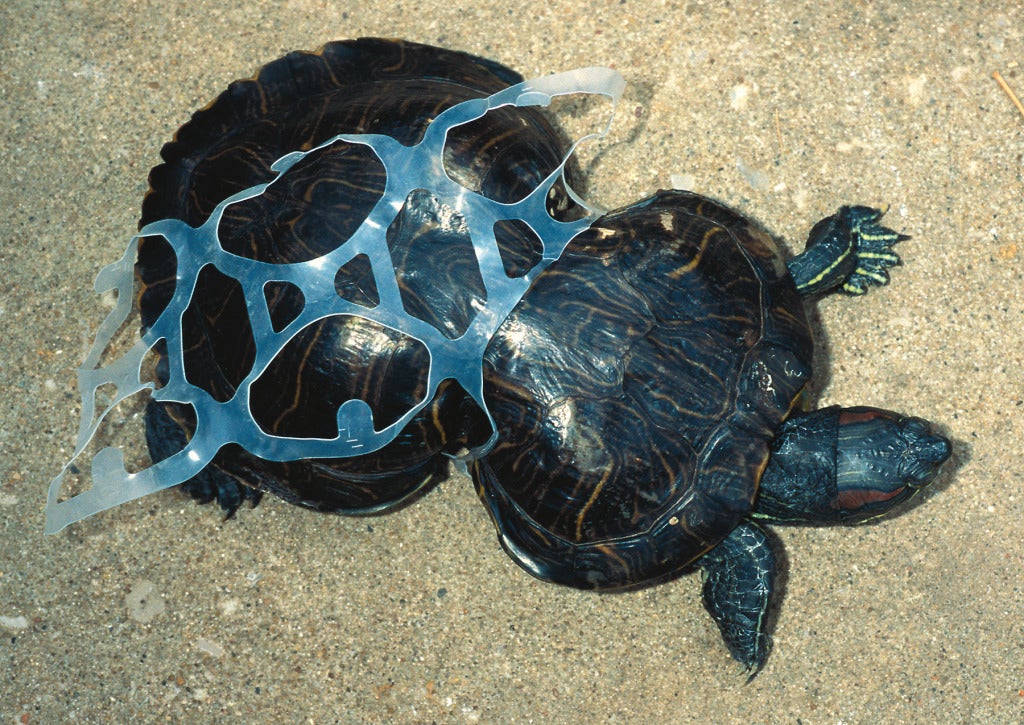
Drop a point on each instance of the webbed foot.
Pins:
(873, 250)
(849, 250)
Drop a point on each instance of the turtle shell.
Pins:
(296, 103)
(636, 389)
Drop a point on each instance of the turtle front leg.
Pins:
(847, 465)
(849, 250)
(739, 578)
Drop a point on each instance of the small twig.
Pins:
(1006, 89)
(778, 129)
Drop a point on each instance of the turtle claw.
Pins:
(872, 249)
(215, 485)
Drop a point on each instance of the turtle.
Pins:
(647, 392)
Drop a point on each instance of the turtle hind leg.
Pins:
(739, 579)
(165, 437)
(849, 251)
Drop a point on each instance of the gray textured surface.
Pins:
(784, 110)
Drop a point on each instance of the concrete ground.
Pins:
(158, 611)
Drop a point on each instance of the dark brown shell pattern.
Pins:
(636, 387)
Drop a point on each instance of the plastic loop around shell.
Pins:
(408, 168)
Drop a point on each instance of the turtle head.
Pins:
(883, 459)
(847, 465)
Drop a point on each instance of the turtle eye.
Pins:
(915, 426)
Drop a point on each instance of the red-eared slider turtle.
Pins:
(645, 390)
